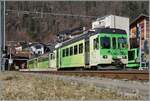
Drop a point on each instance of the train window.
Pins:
(63, 53)
(95, 42)
(51, 56)
(75, 50)
(71, 51)
(105, 42)
(137, 52)
(122, 42)
(113, 43)
(67, 51)
(87, 46)
(81, 48)
(119, 45)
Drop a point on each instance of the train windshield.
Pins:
(105, 42)
(122, 42)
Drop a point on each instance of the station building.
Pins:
(139, 30)
(143, 22)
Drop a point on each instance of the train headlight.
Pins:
(105, 56)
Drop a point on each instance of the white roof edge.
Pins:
(100, 18)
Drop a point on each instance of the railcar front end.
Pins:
(109, 47)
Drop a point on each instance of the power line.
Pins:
(47, 13)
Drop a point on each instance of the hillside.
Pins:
(31, 26)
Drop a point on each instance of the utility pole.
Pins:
(2, 35)
(140, 51)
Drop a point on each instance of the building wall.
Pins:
(144, 30)
(133, 29)
(148, 31)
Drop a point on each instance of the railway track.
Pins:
(127, 75)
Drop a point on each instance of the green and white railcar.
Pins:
(98, 47)
(69, 56)
(40, 62)
(109, 48)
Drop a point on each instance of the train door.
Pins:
(58, 58)
(87, 53)
(49, 62)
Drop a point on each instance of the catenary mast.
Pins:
(2, 34)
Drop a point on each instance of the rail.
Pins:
(127, 75)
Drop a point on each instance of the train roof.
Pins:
(91, 32)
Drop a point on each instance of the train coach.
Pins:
(101, 48)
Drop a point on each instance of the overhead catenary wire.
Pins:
(48, 13)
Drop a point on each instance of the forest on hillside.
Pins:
(43, 27)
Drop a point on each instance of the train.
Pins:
(99, 48)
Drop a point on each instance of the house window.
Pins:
(81, 48)
(38, 46)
